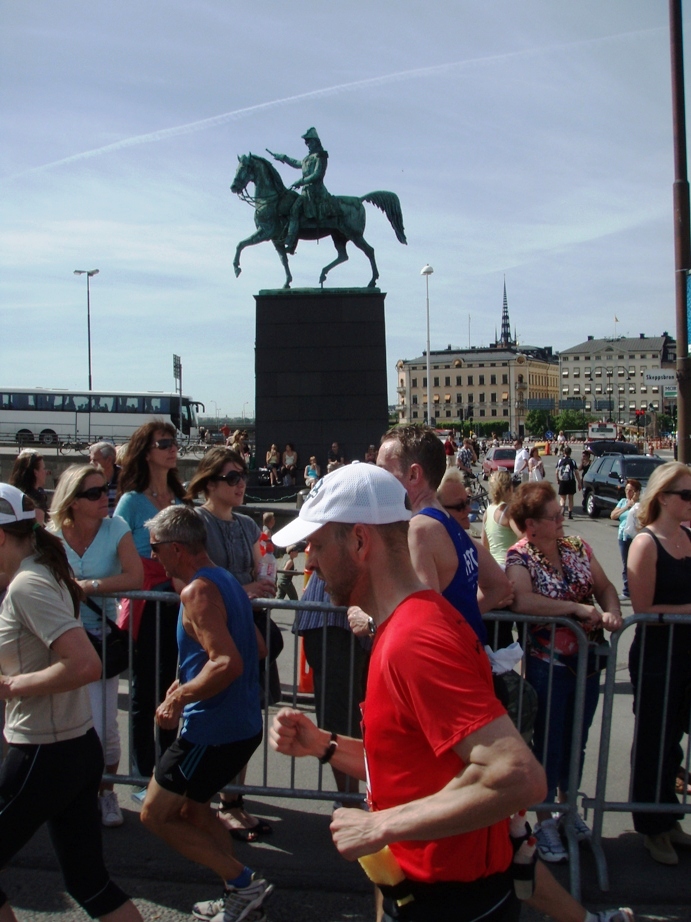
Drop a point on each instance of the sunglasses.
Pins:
(92, 494)
(459, 507)
(557, 517)
(165, 444)
(684, 494)
(156, 544)
(232, 478)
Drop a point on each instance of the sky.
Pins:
(530, 142)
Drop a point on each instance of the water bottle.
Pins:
(268, 567)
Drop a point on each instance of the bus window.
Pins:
(22, 402)
(102, 404)
(157, 405)
(130, 404)
(5, 403)
(49, 401)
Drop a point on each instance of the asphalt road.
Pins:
(312, 881)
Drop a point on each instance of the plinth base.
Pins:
(320, 372)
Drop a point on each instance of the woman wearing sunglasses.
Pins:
(54, 761)
(232, 542)
(556, 576)
(658, 566)
(103, 558)
(148, 483)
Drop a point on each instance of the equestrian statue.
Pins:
(285, 216)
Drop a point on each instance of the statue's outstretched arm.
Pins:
(283, 158)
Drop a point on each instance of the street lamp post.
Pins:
(89, 273)
(427, 270)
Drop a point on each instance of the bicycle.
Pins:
(67, 447)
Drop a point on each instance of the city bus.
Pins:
(50, 416)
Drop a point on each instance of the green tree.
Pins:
(537, 422)
(570, 420)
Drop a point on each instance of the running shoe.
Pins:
(111, 814)
(615, 915)
(581, 828)
(549, 844)
(139, 796)
(236, 904)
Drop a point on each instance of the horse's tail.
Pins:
(388, 203)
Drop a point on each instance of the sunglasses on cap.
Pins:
(165, 444)
(92, 494)
(232, 478)
(684, 495)
(459, 507)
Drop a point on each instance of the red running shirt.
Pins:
(429, 686)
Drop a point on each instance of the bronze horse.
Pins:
(272, 203)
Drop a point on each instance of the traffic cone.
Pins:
(305, 674)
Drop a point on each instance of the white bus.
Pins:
(51, 416)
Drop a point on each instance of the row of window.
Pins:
(608, 358)
(436, 398)
(459, 380)
(449, 415)
(621, 372)
(85, 403)
(621, 389)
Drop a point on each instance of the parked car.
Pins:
(599, 447)
(498, 459)
(603, 483)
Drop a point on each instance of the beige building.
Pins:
(499, 382)
(609, 375)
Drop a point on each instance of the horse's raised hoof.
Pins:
(238, 270)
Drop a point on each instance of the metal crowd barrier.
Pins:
(600, 803)
(291, 695)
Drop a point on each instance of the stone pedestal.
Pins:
(320, 371)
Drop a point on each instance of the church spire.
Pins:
(505, 324)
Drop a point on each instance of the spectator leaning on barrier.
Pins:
(557, 576)
(217, 697)
(659, 564)
(434, 733)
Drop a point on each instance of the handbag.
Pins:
(115, 653)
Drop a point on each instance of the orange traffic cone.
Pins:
(305, 674)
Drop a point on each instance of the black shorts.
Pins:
(197, 771)
(58, 783)
(566, 488)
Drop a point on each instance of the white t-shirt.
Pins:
(521, 461)
(36, 611)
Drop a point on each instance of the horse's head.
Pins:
(243, 175)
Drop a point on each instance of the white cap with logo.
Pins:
(354, 494)
(14, 498)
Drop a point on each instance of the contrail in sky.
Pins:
(237, 114)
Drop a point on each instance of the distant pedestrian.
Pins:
(568, 480)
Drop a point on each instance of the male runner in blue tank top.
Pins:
(217, 697)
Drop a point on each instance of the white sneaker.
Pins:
(615, 915)
(581, 828)
(111, 814)
(236, 904)
(549, 844)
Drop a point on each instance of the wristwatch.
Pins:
(96, 584)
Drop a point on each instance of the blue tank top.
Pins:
(462, 590)
(233, 714)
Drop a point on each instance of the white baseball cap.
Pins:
(354, 494)
(14, 498)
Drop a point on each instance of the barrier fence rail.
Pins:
(291, 694)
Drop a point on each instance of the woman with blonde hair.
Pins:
(497, 534)
(103, 558)
(658, 565)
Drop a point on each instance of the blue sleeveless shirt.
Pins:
(462, 590)
(233, 714)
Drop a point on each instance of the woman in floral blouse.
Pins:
(554, 575)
